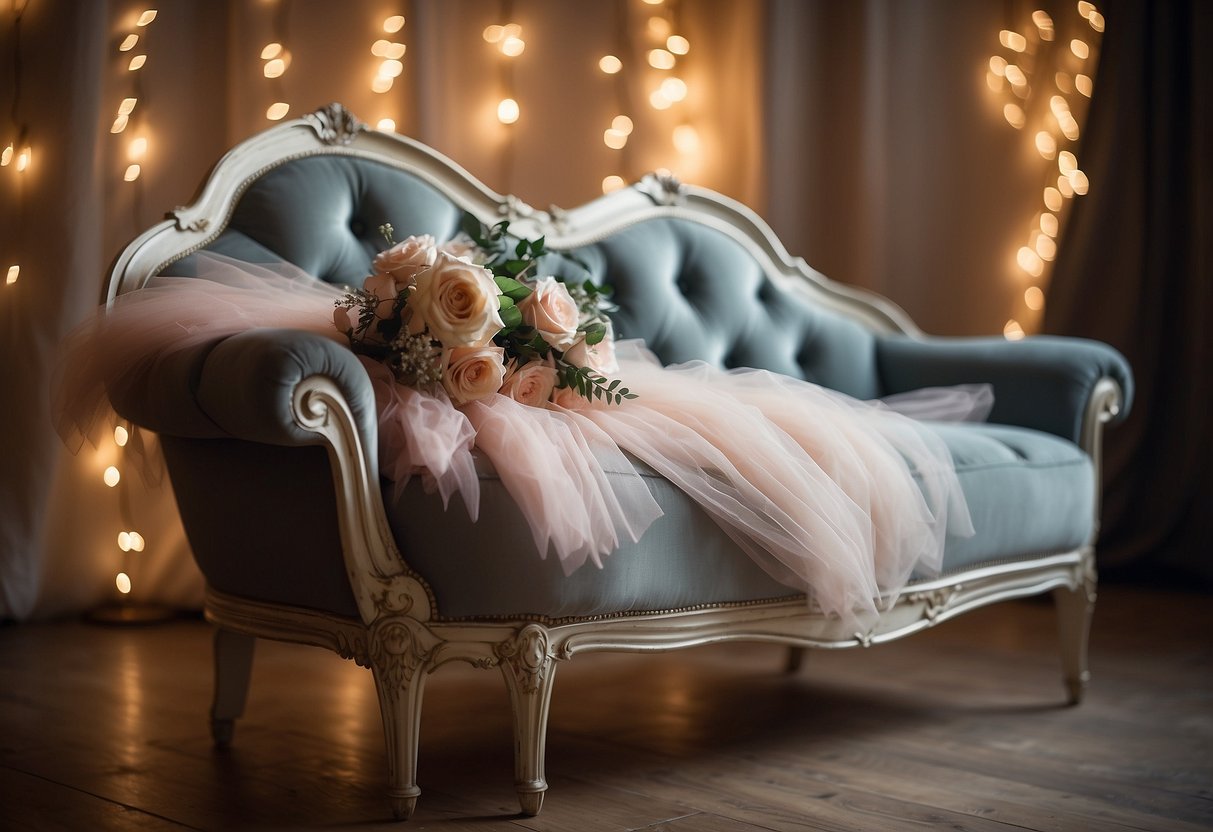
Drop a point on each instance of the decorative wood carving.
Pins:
(528, 656)
(334, 124)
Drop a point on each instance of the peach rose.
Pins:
(471, 373)
(385, 288)
(406, 259)
(598, 357)
(462, 248)
(569, 398)
(552, 311)
(457, 301)
(531, 384)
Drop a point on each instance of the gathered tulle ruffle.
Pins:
(838, 498)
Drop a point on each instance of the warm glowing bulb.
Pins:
(1069, 127)
(379, 48)
(121, 436)
(386, 124)
(1059, 106)
(998, 65)
(1012, 40)
(132, 173)
(1046, 247)
(1029, 261)
(494, 33)
(1064, 187)
(1052, 198)
(13, 273)
(1096, 21)
(146, 18)
(1080, 49)
(612, 183)
(1079, 182)
(274, 68)
(623, 124)
(1044, 24)
(1012, 331)
(123, 582)
(6, 155)
(614, 139)
(395, 51)
(1066, 162)
(994, 82)
(674, 89)
(1083, 84)
(394, 23)
(686, 139)
(658, 100)
(610, 64)
(277, 110)
(23, 159)
(1014, 115)
(1085, 8)
(137, 62)
(654, 2)
(1046, 144)
(119, 124)
(111, 476)
(127, 106)
(678, 44)
(382, 83)
(124, 541)
(137, 148)
(1015, 75)
(1048, 224)
(128, 43)
(391, 69)
(659, 28)
(1063, 81)
(512, 47)
(507, 111)
(661, 59)
(1034, 298)
(271, 51)
(137, 542)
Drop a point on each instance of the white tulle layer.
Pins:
(839, 498)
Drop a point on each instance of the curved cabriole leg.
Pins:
(233, 666)
(795, 659)
(1074, 609)
(399, 663)
(529, 670)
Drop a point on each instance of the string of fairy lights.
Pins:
(130, 124)
(1046, 81)
(17, 155)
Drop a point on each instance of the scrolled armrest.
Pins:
(248, 381)
(1043, 382)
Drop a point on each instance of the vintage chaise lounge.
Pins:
(282, 424)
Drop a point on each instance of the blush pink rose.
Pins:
(531, 384)
(406, 259)
(462, 248)
(471, 373)
(569, 399)
(457, 301)
(344, 320)
(552, 311)
(385, 289)
(599, 357)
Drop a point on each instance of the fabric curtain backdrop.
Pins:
(1136, 270)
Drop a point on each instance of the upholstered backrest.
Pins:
(689, 290)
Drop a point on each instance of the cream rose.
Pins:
(457, 301)
(599, 357)
(406, 259)
(552, 311)
(471, 373)
(531, 384)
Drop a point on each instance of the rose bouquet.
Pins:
(473, 317)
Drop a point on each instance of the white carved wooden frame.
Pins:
(399, 635)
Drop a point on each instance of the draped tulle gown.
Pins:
(838, 498)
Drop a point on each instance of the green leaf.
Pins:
(537, 246)
(471, 226)
(511, 288)
(594, 333)
(510, 316)
(515, 266)
(521, 248)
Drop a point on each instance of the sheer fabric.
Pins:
(838, 498)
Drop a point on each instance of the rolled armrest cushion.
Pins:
(248, 380)
(1042, 382)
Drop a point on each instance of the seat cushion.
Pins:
(1029, 494)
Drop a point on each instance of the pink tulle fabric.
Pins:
(838, 498)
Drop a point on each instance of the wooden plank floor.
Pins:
(961, 727)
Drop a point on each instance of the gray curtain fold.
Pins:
(1135, 269)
